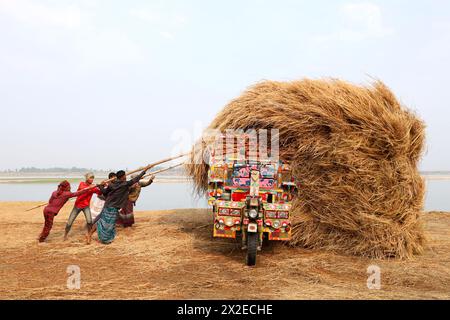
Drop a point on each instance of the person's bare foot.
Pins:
(88, 238)
(66, 236)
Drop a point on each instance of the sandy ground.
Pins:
(171, 255)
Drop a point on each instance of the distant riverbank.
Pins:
(436, 177)
(40, 180)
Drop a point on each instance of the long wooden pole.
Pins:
(157, 163)
(128, 173)
(162, 170)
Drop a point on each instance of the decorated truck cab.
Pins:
(250, 198)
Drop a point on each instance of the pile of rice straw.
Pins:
(354, 152)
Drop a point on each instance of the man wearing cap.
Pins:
(83, 204)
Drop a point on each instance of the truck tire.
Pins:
(252, 245)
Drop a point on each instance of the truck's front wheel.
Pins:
(252, 245)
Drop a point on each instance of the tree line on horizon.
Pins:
(50, 170)
(67, 170)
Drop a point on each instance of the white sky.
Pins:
(114, 84)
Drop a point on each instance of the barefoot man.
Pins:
(116, 194)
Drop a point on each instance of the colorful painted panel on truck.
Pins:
(250, 198)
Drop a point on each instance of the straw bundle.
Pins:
(354, 152)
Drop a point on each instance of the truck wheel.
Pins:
(252, 244)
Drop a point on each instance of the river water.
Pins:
(178, 195)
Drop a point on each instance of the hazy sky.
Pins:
(112, 84)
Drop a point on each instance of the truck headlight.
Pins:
(276, 224)
(253, 213)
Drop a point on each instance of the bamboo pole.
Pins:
(128, 173)
(157, 163)
(162, 170)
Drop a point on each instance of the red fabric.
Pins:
(84, 200)
(126, 215)
(239, 196)
(64, 186)
(48, 224)
(59, 199)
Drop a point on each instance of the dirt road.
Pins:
(171, 255)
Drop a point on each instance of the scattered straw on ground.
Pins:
(171, 255)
